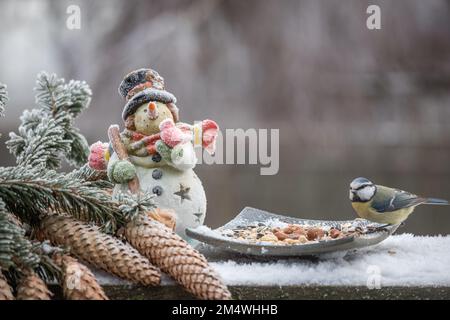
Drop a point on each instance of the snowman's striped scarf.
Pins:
(139, 144)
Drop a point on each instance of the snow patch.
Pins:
(403, 260)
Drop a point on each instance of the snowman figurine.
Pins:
(160, 150)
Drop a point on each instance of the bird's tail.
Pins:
(439, 202)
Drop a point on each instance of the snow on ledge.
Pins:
(402, 260)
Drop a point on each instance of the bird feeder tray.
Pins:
(250, 217)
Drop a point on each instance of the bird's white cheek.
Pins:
(366, 193)
(350, 195)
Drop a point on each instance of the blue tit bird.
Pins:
(385, 205)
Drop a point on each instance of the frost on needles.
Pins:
(32, 189)
(47, 132)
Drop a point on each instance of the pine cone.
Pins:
(5, 289)
(99, 249)
(78, 282)
(176, 257)
(31, 287)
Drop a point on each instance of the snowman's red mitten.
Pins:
(171, 135)
(98, 156)
(210, 130)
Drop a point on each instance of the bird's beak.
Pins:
(152, 111)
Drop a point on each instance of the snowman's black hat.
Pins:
(141, 86)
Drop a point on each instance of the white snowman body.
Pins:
(176, 189)
(150, 110)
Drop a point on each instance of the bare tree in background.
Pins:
(348, 101)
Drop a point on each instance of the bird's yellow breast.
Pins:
(365, 211)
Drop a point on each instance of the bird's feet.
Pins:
(378, 228)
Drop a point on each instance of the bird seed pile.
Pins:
(291, 233)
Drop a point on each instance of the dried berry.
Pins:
(294, 236)
(334, 233)
(302, 239)
(315, 234)
(299, 230)
(288, 230)
(281, 235)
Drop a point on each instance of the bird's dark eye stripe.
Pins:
(361, 187)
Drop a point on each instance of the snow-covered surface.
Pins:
(105, 278)
(400, 260)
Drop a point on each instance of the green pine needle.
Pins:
(96, 177)
(15, 249)
(132, 205)
(40, 142)
(31, 194)
(47, 133)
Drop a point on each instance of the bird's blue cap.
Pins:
(356, 183)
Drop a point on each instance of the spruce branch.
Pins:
(47, 269)
(96, 177)
(47, 132)
(79, 147)
(132, 205)
(15, 249)
(31, 194)
(18, 254)
(54, 95)
(40, 140)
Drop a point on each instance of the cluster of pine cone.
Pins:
(150, 248)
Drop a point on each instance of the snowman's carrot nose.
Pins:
(152, 111)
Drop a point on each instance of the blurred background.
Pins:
(348, 101)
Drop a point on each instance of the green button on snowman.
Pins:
(155, 153)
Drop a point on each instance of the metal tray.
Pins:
(252, 216)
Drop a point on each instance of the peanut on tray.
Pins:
(290, 233)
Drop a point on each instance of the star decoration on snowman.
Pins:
(183, 193)
(198, 216)
(155, 152)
